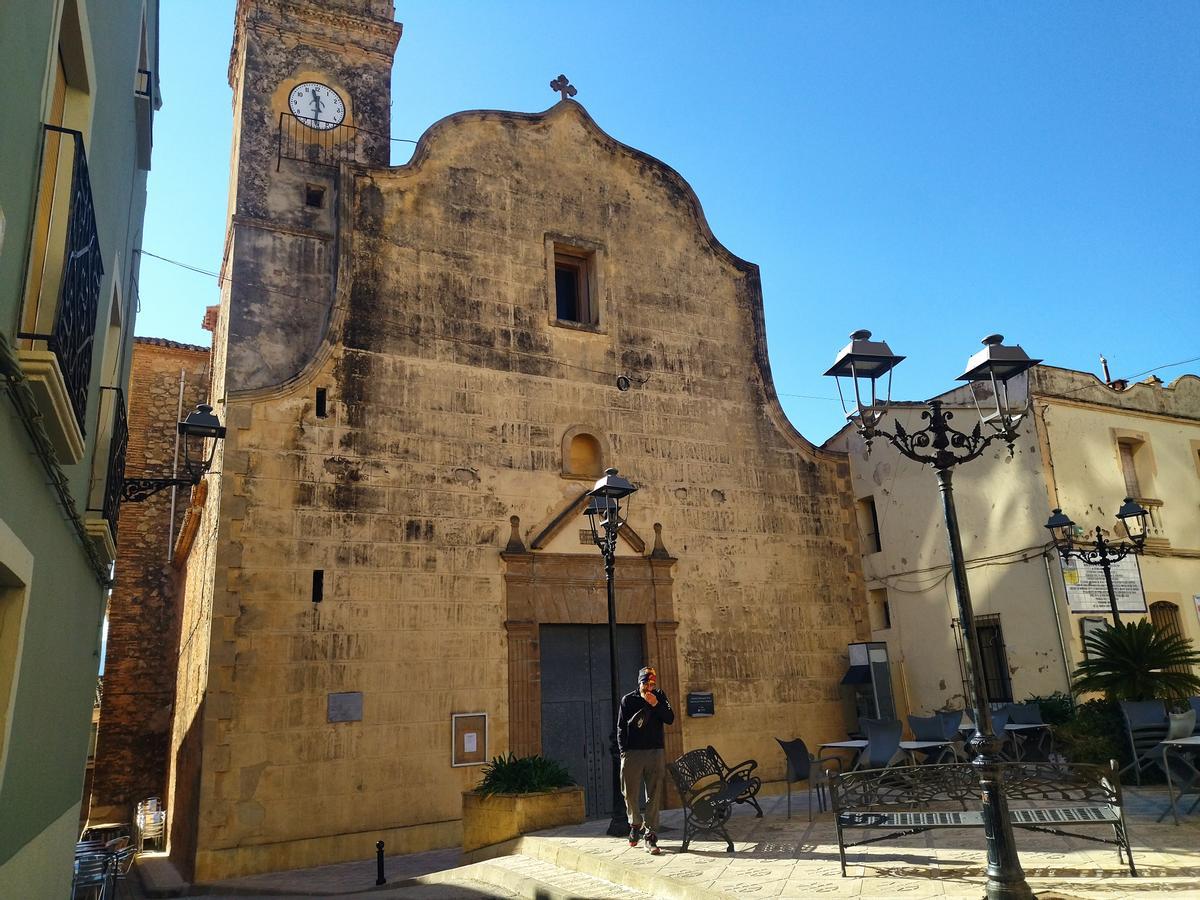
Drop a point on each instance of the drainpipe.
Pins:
(174, 474)
(1062, 643)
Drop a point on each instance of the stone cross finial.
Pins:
(563, 86)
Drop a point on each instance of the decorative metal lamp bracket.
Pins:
(135, 490)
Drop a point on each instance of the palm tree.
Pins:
(1135, 661)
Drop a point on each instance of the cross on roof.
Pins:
(563, 86)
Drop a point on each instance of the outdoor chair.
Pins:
(953, 718)
(934, 728)
(1179, 768)
(122, 865)
(1145, 726)
(1194, 702)
(883, 743)
(1041, 739)
(803, 766)
(93, 875)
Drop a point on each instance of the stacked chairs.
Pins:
(151, 823)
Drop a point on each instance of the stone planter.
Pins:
(500, 817)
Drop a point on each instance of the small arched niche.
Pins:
(583, 453)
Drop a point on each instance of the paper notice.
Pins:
(469, 742)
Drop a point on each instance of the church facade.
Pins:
(422, 369)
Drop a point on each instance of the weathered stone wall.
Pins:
(143, 613)
(450, 388)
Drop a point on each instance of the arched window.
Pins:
(583, 453)
(585, 456)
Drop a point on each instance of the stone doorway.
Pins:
(561, 589)
(577, 714)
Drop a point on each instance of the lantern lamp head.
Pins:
(612, 486)
(200, 425)
(864, 361)
(1061, 528)
(1133, 516)
(997, 363)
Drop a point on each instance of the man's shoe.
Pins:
(635, 835)
(652, 843)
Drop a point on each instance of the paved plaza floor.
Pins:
(774, 857)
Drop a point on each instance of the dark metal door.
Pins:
(577, 716)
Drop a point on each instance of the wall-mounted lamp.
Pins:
(199, 426)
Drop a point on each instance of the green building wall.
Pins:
(52, 596)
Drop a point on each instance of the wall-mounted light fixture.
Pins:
(199, 426)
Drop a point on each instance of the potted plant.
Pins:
(518, 795)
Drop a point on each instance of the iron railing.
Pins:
(301, 139)
(114, 477)
(111, 419)
(73, 334)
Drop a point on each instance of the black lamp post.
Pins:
(942, 447)
(199, 426)
(1101, 551)
(604, 516)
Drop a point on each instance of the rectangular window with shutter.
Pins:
(1128, 450)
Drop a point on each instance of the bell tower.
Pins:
(311, 92)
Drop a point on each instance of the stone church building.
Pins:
(422, 369)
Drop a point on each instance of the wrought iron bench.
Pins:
(708, 788)
(906, 800)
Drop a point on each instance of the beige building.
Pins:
(1085, 446)
(422, 369)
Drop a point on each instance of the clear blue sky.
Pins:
(933, 172)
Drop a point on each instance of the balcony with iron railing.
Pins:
(108, 471)
(320, 143)
(143, 104)
(58, 320)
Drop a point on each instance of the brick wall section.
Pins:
(143, 615)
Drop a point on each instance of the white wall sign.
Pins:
(1087, 593)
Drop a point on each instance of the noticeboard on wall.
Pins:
(469, 732)
(1088, 594)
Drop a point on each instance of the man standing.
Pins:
(640, 722)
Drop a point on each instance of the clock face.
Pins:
(317, 105)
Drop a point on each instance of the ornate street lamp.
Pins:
(1101, 551)
(604, 516)
(942, 447)
(199, 426)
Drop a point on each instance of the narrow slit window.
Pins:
(318, 585)
(572, 292)
(322, 409)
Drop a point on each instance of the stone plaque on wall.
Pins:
(345, 707)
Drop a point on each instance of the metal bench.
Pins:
(708, 788)
(901, 800)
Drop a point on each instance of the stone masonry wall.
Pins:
(143, 615)
(450, 387)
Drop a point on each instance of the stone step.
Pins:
(535, 879)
